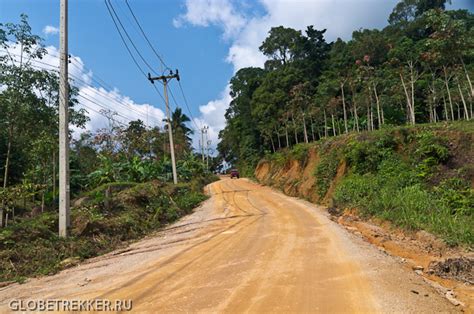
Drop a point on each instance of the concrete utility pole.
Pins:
(64, 210)
(165, 79)
(208, 142)
(203, 130)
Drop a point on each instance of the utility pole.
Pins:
(203, 130)
(208, 142)
(64, 210)
(165, 79)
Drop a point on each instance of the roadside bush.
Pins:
(31, 246)
(325, 172)
(430, 151)
(396, 193)
(366, 156)
(300, 153)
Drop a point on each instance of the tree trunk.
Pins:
(379, 114)
(7, 158)
(5, 174)
(304, 129)
(470, 104)
(278, 137)
(108, 196)
(356, 117)
(286, 134)
(409, 105)
(333, 125)
(42, 202)
(412, 83)
(430, 109)
(446, 115)
(368, 118)
(468, 78)
(294, 128)
(449, 92)
(466, 113)
(312, 128)
(371, 117)
(325, 125)
(344, 107)
(273, 144)
(54, 180)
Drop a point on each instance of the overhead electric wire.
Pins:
(128, 49)
(177, 106)
(105, 107)
(162, 62)
(187, 105)
(123, 40)
(146, 37)
(128, 36)
(98, 112)
(98, 90)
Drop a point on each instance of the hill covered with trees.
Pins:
(418, 69)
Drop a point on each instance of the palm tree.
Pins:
(181, 131)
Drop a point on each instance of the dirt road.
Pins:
(247, 249)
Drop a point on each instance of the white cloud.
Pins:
(50, 30)
(212, 115)
(212, 12)
(339, 17)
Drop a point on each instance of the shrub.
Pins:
(397, 193)
(430, 151)
(300, 152)
(325, 172)
(32, 247)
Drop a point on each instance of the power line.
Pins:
(97, 90)
(103, 106)
(128, 36)
(146, 37)
(162, 62)
(177, 106)
(123, 40)
(187, 105)
(126, 45)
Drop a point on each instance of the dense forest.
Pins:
(29, 101)
(418, 69)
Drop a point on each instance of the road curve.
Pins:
(247, 249)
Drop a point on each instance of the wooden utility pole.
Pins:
(64, 209)
(165, 79)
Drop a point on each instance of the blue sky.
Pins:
(199, 53)
(207, 40)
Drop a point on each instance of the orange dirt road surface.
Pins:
(250, 249)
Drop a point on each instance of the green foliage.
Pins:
(300, 152)
(31, 246)
(416, 70)
(457, 195)
(143, 170)
(325, 172)
(430, 151)
(396, 193)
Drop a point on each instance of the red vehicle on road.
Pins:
(234, 173)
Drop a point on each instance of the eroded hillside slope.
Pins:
(416, 178)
